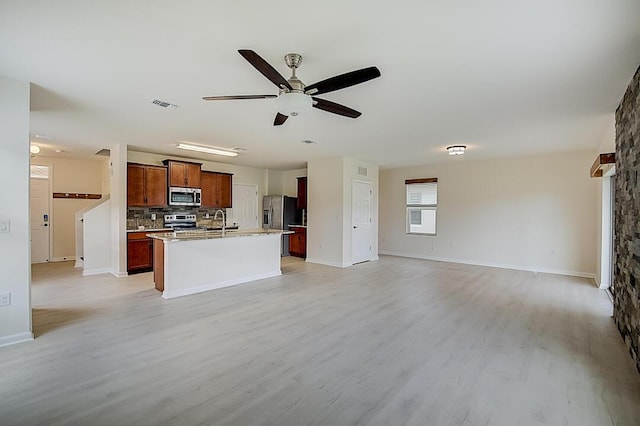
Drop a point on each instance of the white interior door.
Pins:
(361, 229)
(40, 220)
(245, 205)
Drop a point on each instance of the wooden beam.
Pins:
(596, 168)
(75, 196)
(423, 180)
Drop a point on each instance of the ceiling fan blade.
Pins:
(280, 119)
(335, 108)
(232, 97)
(265, 69)
(343, 80)
(227, 98)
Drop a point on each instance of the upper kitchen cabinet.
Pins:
(146, 185)
(216, 190)
(302, 192)
(183, 174)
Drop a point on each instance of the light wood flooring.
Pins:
(391, 342)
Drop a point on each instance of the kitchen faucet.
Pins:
(224, 222)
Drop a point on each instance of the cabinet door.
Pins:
(223, 190)
(156, 186)
(135, 185)
(302, 193)
(139, 255)
(192, 172)
(208, 182)
(303, 242)
(177, 174)
(294, 244)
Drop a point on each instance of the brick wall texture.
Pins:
(627, 219)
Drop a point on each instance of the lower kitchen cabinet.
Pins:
(298, 242)
(139, 252)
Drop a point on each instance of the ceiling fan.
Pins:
(294, 97)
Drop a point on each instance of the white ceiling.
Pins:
(504, 77)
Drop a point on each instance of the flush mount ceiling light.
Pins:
(34, 149)
(206, 149)
(456, 149)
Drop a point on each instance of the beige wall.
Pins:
(533, 213)
(329, 187)
(73, 176)
(15, 273)
(290, 181)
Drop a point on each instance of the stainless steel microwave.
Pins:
(185, 196)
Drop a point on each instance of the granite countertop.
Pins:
(297, 226)
(206, 235)
(148, 229)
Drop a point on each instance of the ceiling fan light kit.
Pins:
(293, 104)
(206, 149)
(456, 149)
(294, 98)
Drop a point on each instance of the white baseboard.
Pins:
(494, 265)
(166, 294)
(324, 262)
(79, 263)
(16, 338)
(118, 274)
(62, 259)
(96, 271)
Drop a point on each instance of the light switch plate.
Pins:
(5, 225)
(5, 299)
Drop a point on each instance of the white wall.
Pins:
(325, 214)
(73, 176)
(96, 237)
(15, 256)
(532, 213)
(290, 181)
(118, 201)
(329, 187)
(604, 246)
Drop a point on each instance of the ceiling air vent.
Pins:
(164, 104)
(362, 171)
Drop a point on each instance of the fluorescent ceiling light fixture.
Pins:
(206, 149)
(456, 149)
(293, 103)
(34, 149)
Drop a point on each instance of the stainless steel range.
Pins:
(180, 222)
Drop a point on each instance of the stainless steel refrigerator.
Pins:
(278, 212)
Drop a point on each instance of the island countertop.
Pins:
(206, 235)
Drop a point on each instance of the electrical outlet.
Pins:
(153, 216)
(5, 299)
(5, 225)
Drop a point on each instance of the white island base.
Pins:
(185, 266)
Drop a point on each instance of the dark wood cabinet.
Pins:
(146, 185)
(302, 192)
(183, 174)
(298, 242)
(139, 252)
(216, 190)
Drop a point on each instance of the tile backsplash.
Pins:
(141, 216)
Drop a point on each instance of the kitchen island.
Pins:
(188, 262)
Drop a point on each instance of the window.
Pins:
(39, 172)
(422, 203)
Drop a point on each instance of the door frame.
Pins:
(258, 223)
(50, 207)
(370, 185)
